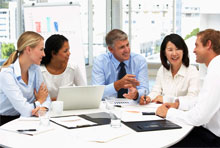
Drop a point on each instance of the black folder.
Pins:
(152, 125)
(100, 118)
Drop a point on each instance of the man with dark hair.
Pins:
(124, 73)
(204, 111)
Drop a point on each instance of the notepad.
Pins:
(72, 122)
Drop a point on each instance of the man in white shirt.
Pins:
(204, 112)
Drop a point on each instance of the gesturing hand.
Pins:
(132, 93)
(127, 81)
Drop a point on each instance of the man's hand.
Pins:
(144, 101)
(132, 93)
(162, 111)
(158, 99)
(127, 81)
(42, 93)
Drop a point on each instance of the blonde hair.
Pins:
(28, 38)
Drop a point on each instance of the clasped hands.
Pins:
(128, 82)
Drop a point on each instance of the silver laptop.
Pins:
(81, 97)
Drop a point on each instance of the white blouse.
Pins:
(184, 85)
(72, 76)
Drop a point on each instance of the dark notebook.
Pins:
(141, 126)
(100, 118)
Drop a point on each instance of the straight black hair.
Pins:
(52, 45)
(180, 44)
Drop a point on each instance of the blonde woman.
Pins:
(22, 90)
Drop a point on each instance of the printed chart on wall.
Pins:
(48, 19)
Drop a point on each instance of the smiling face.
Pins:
(37, 53)
(63, 54)
(121, 50)
(173, 54)
(200, 51)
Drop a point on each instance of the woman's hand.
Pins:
(42, 93)
(144, 100)
(158, 99)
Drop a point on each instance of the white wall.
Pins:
(209, 18)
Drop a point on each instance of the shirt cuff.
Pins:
(111, 88)
(183, 105)
(109, 91)
(37, 103)
(170, 113)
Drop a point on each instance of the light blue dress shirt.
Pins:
(16, 97)
(105, 72)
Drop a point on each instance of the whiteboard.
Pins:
(56, 18)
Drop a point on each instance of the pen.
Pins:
(148, 113)
(145, 95)
(117, 105)
(25, 130)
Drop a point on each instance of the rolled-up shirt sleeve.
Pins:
(98, 78)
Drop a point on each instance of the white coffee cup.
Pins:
(57, 107)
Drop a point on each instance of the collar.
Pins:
(43, 68)
(17, 68)
(213, 61)
(116, 62)
(181, 72)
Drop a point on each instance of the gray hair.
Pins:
(115, 35)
